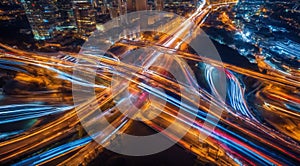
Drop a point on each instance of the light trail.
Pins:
(239, 129)
(240, 137)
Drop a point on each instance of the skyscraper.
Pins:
(51, 17)
(117, 8)
(85, 16)
(141, 5)
(131, 5)
(42, 16)
(159, 4)
(136, 5)
(66, 13)
(100, 6)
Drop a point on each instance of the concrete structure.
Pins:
(159, 5)
(136, 5)
(42, 16)
(141, 5)
(85, 16)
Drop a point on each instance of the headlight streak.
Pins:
(238, 146)
(35, 160)
(19, 113)
(237, 141)
(240, 138)
(235, 90)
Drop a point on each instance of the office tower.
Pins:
(130, 5)
(141, 5)
(66, 13)
(49, 18)
(122, 7)
(159, 4)
(136, 5)
(42, 16)
(117, 8)
(100, 6)
(85, 16)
